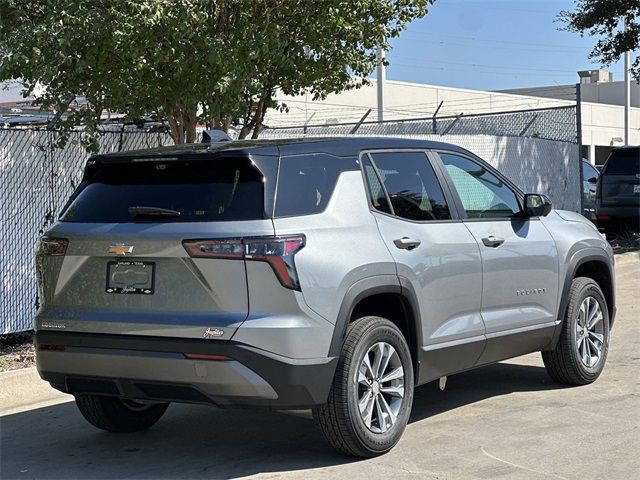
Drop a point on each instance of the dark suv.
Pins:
(618, 190)
(333, 274)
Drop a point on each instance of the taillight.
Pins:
(227, 248)
(52, 246)
(278, 252)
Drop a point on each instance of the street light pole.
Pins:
(627, 94)
(381, 75)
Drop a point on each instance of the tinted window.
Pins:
(588, 171)
(624, 161)
(201, 191)
(378, 196)
(412, 185)
(306, 182)
(483, 195)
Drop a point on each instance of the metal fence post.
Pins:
(578, 117)
(434, 123)
(357, 125)
(452, 124)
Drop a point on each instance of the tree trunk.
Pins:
(249, 124)
(261, 112)
(182, 124)
(174, 129)
(227, 124)
(189, 125)
(254, 125)
(257, 128)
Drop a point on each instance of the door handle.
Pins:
(492, 241)
(407, 243)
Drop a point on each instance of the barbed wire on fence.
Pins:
(556, 123)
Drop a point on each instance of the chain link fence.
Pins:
(537, 149)
(36, 182)
(558, 123)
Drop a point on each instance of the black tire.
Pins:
(115, 415)
(564, 363)
(339, 419)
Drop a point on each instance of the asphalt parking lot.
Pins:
(503, 421)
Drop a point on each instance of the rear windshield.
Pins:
(171, 191)
(623, 162)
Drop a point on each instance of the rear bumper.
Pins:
(153, 368)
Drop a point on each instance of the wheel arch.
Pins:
(593, 264)
(384, 296)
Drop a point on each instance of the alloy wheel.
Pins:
(380, 387)
(590, 332)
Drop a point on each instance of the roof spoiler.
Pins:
(214, 136)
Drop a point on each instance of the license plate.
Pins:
(636, 189)
(130, 276)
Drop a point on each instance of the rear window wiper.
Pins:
(141, 211)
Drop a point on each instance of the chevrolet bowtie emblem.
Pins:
(121, 249)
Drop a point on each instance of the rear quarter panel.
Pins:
(343, 246)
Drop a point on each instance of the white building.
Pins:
(601, 107)
(602, 110)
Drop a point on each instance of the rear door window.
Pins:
(412, 186)
(623, 162)
(221, 189)
(306, 182)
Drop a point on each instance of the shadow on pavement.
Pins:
(196, 441)
(476, 385)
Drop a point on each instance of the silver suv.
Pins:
(334, 274)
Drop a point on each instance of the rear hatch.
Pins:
(619, 182)
(116, 261)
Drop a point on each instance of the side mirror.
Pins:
(536, 205)
(593, 180)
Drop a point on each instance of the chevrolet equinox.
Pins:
(331, 273)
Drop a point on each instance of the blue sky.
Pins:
(492, 44)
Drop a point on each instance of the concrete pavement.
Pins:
(503, 421)
(22, 390)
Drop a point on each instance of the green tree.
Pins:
(603, 18)
(192, 60)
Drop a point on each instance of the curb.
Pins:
(22, 389)
(628, 257)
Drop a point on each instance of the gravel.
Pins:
(16, 354)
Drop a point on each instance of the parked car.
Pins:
(589, 179)
(334, 274)
(618, 190)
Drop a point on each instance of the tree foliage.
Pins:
(192, 61)
(603, 18)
